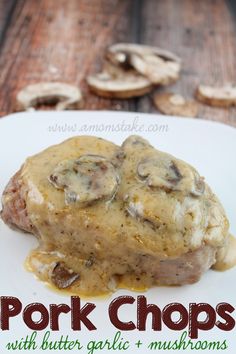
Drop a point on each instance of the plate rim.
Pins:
(27, 114)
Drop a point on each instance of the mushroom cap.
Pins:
(158, 65)
(63, 277)
(176, 105)
(141, 49)
(86, 179)
(64, 95)
(224, 96)
(157, 70)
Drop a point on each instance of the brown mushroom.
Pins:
(63, 277)
(119, 52)
(114, 82)
(158, 65)
(162, 171)
(135, 141)
(175, 104)
(65, 96)
(159, 172)
(86, 179)
(224, 96)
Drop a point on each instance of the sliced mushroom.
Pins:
(135, 141)
(157, 70)
(165, 173)
(138, 203)
(117, 83)
(65, 96)
(159, 172)
(224, 96)
(119, 53)
(158, 65)
(63, 277)
(174, 104)
(86, 179)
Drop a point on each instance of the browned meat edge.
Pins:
(186, 269)
(14, 212)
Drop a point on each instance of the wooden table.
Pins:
(64, 40)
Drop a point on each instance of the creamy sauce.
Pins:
(133, 240)
(226, 258)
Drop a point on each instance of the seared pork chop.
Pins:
(108, 216)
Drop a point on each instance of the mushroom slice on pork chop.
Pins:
(86, 179)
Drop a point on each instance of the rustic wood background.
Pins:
(64, 40)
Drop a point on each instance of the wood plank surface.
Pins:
(45, 40)
(202, 33)
(6, 10)
(60, 43)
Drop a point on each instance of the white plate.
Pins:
(209, 146)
